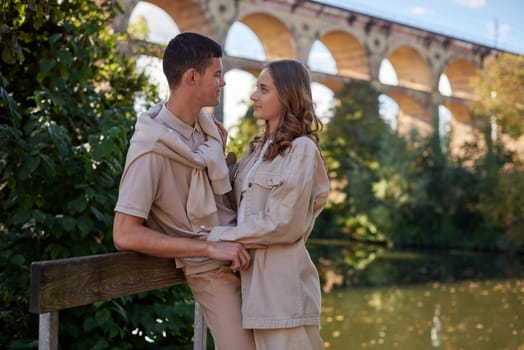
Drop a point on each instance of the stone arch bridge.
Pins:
(358, 43)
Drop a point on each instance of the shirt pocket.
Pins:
(263, 184)
(268, 181)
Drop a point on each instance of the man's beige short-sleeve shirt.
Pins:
(155, 187)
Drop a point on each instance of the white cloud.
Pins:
(472, 4)
(420, 11)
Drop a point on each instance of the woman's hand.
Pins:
(236, 252)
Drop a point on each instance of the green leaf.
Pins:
(54, 38)
(39, 216)
(8, 55)
(68, 223)
(47, 64)
(17, 259)
(84, 225)
(69, 27)
(49, 164)
(98, 214)
(89, 324)
(77, 205)
(65, 58)
(21, 216)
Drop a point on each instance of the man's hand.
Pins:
(234, 252)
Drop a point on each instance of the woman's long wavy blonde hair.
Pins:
(293, 83)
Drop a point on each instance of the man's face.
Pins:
(210, 83)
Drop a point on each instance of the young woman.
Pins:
(281, 185)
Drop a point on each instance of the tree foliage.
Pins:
(138, 28)
(499, 87)
(242, 132)
(67, 101)
(410, 192)
(350, 145)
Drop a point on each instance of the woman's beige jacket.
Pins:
(283, 198)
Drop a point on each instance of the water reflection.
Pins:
(377, 298)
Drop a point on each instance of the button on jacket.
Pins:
(281, 200)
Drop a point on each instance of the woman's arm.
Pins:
(291, 209)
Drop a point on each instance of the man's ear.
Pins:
(190, 76)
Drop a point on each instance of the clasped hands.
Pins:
(235, 252)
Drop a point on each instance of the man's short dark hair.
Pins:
(188, 50)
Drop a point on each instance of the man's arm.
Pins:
(130, 233)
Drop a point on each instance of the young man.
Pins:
(174, 183)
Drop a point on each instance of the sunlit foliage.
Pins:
(499, 87)
(408, 191)
(67, 101)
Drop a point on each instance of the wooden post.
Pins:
(200, 335)
(48, 331)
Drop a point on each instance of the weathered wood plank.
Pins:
(66, 283)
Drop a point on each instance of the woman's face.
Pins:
(266, 104)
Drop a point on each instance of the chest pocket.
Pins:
(268, 181)
(260, 188)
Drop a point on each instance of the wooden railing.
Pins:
(66, 283)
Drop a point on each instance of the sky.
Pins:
(498, 23)
(495, 23)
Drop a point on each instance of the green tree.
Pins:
(67, 101)
(138, 28)
(499, 87)
(242, 132)
(351, 148)
(411, 193)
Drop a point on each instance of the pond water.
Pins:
(379, 298)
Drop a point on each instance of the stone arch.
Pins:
(274, 35)
(188, 15)
(460, 112)
(462, 128)
(459, 73)
(235, 45)
(248, 69)
(350, 55)
(412, 70)
(288, 29)
(411, 115)
(333, 84)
